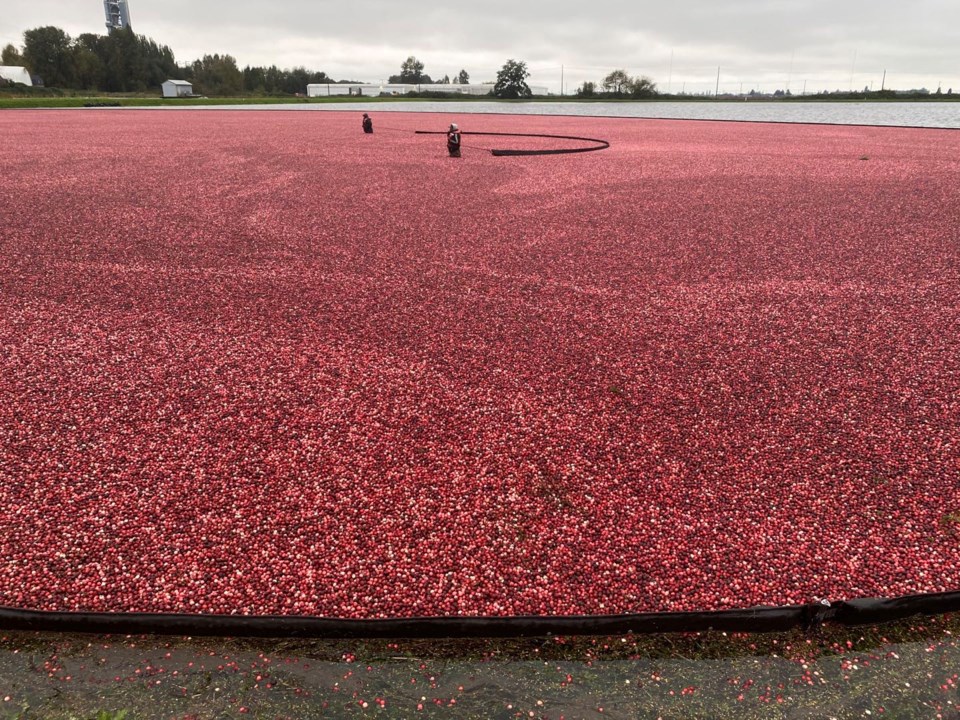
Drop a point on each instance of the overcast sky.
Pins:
(765, 44)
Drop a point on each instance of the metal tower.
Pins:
(117, 13)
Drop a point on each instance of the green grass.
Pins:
(75, 102)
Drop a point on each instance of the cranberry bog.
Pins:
(263, 364)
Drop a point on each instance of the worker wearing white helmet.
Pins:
(453, 140)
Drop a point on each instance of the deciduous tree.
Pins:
(46, 51)
(642, 86)
(89, 69)
(11, 56)
(411, 71)
(616, 82)
(217, 75)
(512, 80)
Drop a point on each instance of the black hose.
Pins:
(598, 144)
(865, 611)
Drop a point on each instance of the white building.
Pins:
(15, 74)
(177, 88)
(375, 90)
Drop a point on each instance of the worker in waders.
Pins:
(367, 124)
(453, 140)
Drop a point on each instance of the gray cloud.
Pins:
(757, 43)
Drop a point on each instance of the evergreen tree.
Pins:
(588, 89)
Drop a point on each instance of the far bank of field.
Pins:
(66, 99)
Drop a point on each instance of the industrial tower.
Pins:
(118, 14)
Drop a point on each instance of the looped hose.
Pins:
(597, 144)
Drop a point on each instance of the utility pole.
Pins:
(804, 87)
(716, 93)
(790, 72)
(670, 76)
(883, 83)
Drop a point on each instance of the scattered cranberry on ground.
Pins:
(262, 363)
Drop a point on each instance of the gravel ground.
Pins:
(907, 670)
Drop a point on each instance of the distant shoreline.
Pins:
(30, 102)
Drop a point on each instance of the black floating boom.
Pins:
(866, 611)
(596, 144)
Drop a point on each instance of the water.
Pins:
(896, 114)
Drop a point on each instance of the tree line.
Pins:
(619, 84)
(123, 61)
(411, 73)
(511, 79)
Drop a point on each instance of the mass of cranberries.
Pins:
(262, 363)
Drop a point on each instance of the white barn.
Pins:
(177, 88)
(15, 74)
